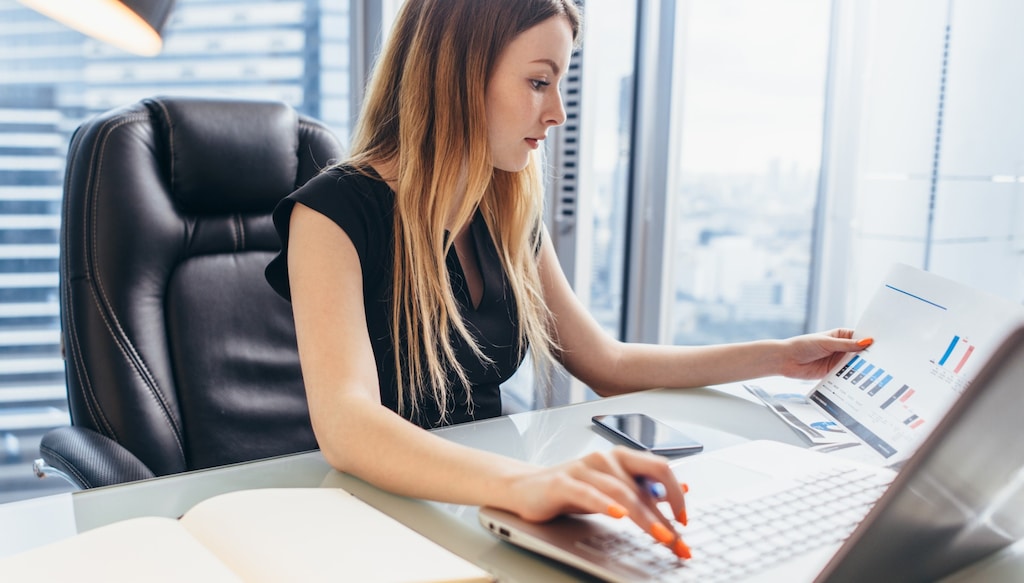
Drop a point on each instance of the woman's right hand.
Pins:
(611, 483)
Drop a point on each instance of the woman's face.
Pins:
(522, 97)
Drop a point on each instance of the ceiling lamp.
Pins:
(132, 25)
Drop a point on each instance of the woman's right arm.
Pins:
(360, 436)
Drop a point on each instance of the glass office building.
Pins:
(730, 169)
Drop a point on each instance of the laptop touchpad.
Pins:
(711, 477)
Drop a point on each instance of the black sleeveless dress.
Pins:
(364, 208)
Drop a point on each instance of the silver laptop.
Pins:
(766, 511)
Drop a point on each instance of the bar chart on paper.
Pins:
(872, 403)
(931, 337)
(949, 366)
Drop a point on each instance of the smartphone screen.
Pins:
(645, 432)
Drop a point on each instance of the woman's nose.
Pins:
(555, 114)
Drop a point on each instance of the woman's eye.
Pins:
(539, 84)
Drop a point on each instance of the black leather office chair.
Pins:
(178, 354)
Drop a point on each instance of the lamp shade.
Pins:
(132, 25)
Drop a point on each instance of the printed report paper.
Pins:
(931, 337)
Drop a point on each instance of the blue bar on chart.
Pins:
(855, 368)
(895, 396)
(949, 350)
(956, 354)
(847, 365)
(881, 385)
(872, 378)
(860, 375)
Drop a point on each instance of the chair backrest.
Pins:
(175, 345)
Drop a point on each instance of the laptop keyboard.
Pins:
(731, 539)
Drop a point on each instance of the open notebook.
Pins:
(762, 511)
(296, 534)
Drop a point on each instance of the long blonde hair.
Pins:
(424, 114)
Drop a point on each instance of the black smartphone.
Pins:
(645, 432)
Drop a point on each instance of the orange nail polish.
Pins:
(865, 342)
(686, 488)
(682, 517)
(681, 550)
(616, 511)
(661, 533)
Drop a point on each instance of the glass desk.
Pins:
(549, 436)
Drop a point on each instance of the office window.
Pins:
(607, 94)
(51, 78)
(748, 115)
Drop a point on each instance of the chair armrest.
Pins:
(88, 459)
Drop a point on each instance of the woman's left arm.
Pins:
(612, 367)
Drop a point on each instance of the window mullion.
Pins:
(646, 304)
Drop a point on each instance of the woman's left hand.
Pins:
(811, 356)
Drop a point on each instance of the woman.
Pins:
(419, 274)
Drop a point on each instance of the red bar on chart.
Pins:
(963, 360)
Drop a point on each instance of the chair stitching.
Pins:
(170, 137)
(92, 402)
(241, 232)
(234, 233)
(137, 359)
(122, 341)
(89, 397)
(105, 133)
(68, 466)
